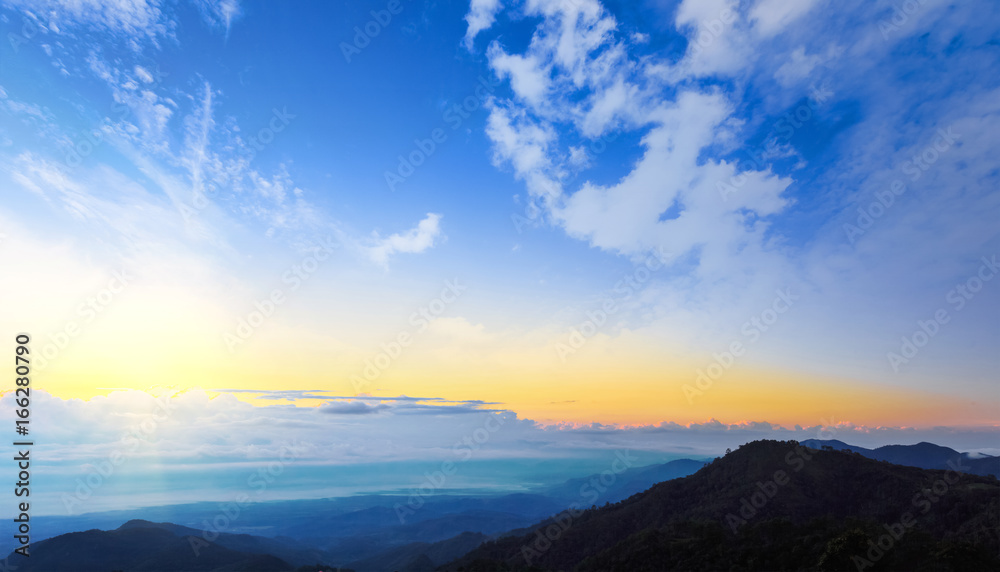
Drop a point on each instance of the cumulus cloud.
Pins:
(734, 225)
(577, 79)
(415, 240)
(626, 217)
(481, 16)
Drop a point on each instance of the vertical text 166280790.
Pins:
(22, 486)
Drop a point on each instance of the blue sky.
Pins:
(213, 150)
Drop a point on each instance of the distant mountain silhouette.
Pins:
(924, 455)
(136, 547)
(420, 556)
(287, 549)
(616, 487)
(772, 506)
(830, 508)
(373, 543)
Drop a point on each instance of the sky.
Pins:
(667, 225)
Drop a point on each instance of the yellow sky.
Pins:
(611, 383)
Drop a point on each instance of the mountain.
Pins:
(613, 487)
(419, 556)
(426, 521)
(772, 505)
(284, 548)
(357, 527)
(372, 544)
(139, 548)
(924, 455)
(736, 512)
(328, 530)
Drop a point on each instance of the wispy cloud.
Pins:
(134, 22)
(195, 435)
(221, 13)
(352, 408)
(414, 241)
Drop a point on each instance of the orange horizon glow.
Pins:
(742, 397)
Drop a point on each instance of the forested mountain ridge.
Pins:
(773, 505)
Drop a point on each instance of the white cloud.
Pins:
(528, 77)
(152, 436)
(88, 197)
(717, 41)
(352, 408)
(522, 141)
(143, 74)
(140, 115)
(625, 217)
(772, 16)
(725, 39)
(730, 247)
(800, 65)
(132, 21)
(220, 13)
(578, 157)
(573, 49)
(415, 240)
(600, 88)
(482, 14)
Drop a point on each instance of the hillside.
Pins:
(623, 485)
(420, 556)
(769, 505)
(924, 455)
(776, 506)
(138, 548)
